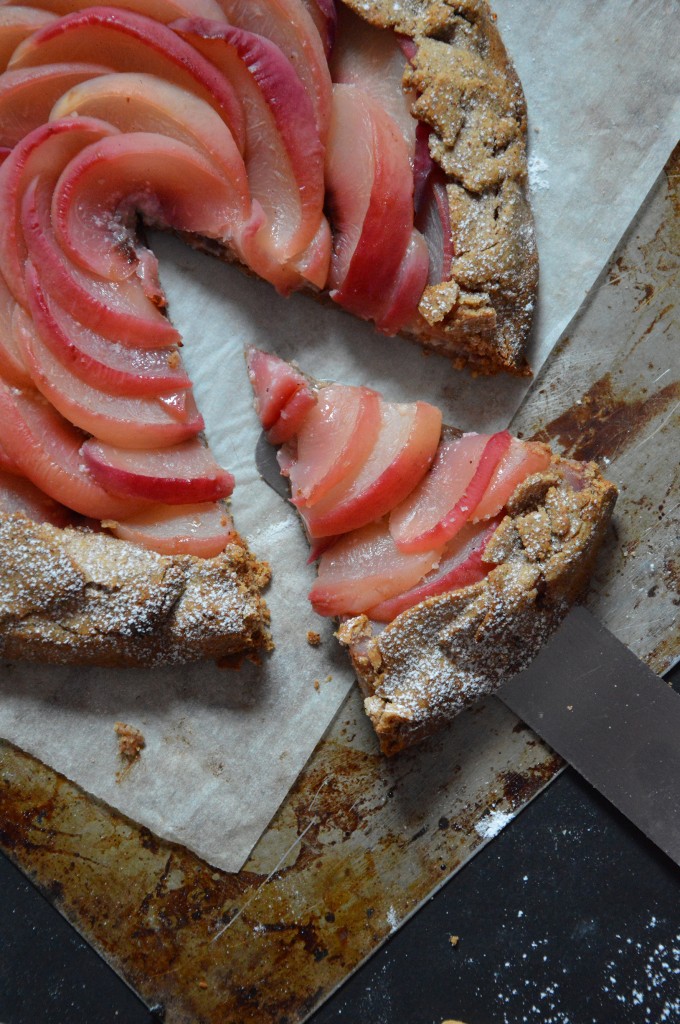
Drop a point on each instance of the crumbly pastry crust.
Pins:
(439, 657)
(83, 598)
(468, 92)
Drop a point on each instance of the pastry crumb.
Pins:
(454, 940)
(317, 684)
(131, 741)
(313, 638)
(202, 983)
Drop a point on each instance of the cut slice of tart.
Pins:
(447, 590)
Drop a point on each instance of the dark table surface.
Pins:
(570, 916)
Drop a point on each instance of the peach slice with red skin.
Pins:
(289, 25)
(401, 307)
(274, 382)
(372, 59)
(404, 449)
(28, 95)
(100, 362)
(106, 184)
(283, 154)
(7, 463)
(43, 153)
(126, 41)
(521, 460)
(143, 103)
(364, 569)
(46, 448)
(448, 496)
(118, 310)
(460, 565)
(181, 475)
(202, 530)
(12, 362)
(325, 17)
(19, 495)
(370, 196)
(139, 421)
(335, 439)
(16, 23)
(163, 11)
(293, 415)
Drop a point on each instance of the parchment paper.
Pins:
(223, 747)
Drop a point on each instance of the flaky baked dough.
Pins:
(439, 657)
(469, 93)
(78, 597)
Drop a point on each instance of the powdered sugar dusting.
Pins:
(536, 168)
(491, 824)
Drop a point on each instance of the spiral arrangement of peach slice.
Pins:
(273, 127)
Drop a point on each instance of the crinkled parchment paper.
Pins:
(224, 746)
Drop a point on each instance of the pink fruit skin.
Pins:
(364, 568)
(458, 568)
(355, 503)
(522, 459)
(120, 311)
(98, 361)
(402, 305)
(28, 95)
(171, 476)
(273, 381)
(17, 494)
(47, 450)
(370, 195)
(334, 442)
(293, 415)
(404, 522)
(131, 42)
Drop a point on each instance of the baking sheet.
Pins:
(222, 747)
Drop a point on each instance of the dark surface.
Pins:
(569, 916)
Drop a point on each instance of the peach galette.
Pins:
(367, 153)
(447, 556)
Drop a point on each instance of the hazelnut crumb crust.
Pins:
(83, 598)
(468, 92)
(444, 654)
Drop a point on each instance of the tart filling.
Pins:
(448, 557)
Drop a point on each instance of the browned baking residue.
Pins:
(131, 741)
(603, 424)
(313, 638)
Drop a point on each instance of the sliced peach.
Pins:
(402, 304)
(460, 565)
(448, 496)
(126, 41)
(370, 197)
(104, 364)
(100, 192)
(274, 382)
(363, 569)
(164, 11)
(131, 422)
(43, 153)
(7, 463)
(283, 154)
(17, 494)
(406, 444)
(118, 310)
(289, 25)
(293, 416)
(431, 204)
(314, 263)
(12, 363)
(47, 450)
(143, 103)
(372, 59)
(183, 474)
(335, 439)
(325, 17)
(203, 530)
(521, 460)
(28, 95)
(16, 24)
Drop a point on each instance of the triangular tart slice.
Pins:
(446, 557)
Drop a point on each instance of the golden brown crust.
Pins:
(78, 597)
(469, 93)
(439, 657)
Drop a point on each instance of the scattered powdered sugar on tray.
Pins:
(491, 824)
(536, 168)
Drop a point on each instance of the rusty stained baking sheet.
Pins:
(361, 842)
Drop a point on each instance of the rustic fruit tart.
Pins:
(447, 556)
(372, 154)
